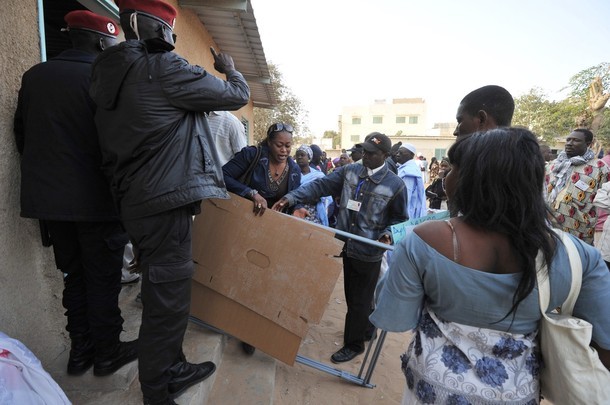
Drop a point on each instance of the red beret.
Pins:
(156, 9)
(86, 20)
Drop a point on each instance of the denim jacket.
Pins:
(237, 166)
(383, 201)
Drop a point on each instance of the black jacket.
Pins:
(55, 131)
(157, 147)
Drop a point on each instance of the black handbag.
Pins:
(247, 175)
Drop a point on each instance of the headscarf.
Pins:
(562, 165)
(317, 154)
(307, 150)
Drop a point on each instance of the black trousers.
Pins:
(163, 246)
(91, 255)
(359, 281)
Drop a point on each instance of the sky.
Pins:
(335, 53)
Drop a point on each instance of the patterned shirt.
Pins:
(573, 207)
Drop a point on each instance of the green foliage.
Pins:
(547, 119)
(335, 136)
(555, 119)
(289, 109)
(580, 82)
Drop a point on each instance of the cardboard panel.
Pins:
(237, 320)
(275, 267)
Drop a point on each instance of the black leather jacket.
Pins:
(157, 149)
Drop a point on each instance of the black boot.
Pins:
(109, 358)
(81, 355)
(185, 374)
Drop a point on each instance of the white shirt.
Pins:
(229, 134)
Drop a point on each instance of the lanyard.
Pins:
(358, 189)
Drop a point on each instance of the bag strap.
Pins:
(542, 275)
(247, 175)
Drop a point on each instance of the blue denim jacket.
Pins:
(384, 203)
(237, 166)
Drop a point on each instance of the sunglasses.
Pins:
(280, 126)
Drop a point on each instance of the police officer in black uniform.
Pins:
(63, 185)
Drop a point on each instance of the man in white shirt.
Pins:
(229, 134)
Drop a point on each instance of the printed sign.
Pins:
(400, 230)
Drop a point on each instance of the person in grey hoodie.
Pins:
(159, 157)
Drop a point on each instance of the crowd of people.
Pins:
(96, 184)
(473, 276)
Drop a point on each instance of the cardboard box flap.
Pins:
(276, 265)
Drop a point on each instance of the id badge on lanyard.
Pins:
(352, 204)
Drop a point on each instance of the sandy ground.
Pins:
(304, 385)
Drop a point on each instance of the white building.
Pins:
(400, 117)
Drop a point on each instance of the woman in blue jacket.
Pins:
(273, 173)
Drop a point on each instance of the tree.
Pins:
(547, 119)
(334, 135)
(585, 107)
(289, 110)
(593, 85)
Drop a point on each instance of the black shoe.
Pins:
(81, 356)
(186, 374)
(166, 402)
(344, 354)
(248, 349)
(110, 359)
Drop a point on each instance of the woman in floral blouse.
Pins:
(467, 285)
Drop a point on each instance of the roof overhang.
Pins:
(233, 28)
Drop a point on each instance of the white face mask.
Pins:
(133, 23)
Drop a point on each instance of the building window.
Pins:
(356, 120)
(401, 119)
(440, 153)
(413, 119)
(378, 119)
(354, 138)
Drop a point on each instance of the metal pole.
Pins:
(348, 235)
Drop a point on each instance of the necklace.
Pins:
(275, 169)
(274, 185)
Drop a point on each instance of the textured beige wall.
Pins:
(194, 44)
(30, 285)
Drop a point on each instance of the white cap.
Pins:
(410, 147)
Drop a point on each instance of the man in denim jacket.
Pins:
(372, 199)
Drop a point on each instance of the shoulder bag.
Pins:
(247, 175)
(572, 371)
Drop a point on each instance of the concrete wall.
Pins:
(30, 285)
